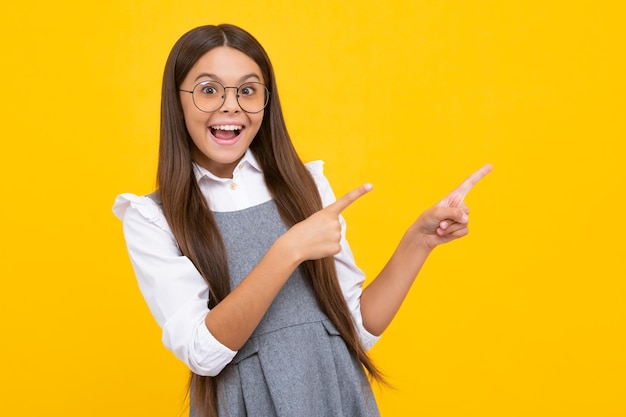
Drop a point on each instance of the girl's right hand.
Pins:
(319, 235)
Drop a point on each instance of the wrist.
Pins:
(418, 241)
(288, 250)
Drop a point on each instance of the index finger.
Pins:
(461, 191)
(342, 203)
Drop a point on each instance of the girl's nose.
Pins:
(230, 100)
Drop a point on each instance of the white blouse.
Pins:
(173, 288)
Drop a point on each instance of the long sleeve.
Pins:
(174, 290)
(351, 278)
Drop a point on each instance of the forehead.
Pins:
(224, 64)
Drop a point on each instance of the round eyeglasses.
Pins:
(209, 96)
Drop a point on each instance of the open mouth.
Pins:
(226, 132)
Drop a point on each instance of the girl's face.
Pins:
(221, 137)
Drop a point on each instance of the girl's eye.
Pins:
(247, 90)
(208, 90)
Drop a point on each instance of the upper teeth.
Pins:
(227, 127)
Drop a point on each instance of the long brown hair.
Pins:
(288, 180)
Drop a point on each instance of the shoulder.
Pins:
(148, 207)
(316, 168)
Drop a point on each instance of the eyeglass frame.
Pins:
(193, 98)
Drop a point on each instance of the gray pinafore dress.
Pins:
(295, 364)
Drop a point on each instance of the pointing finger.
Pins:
(457, 196)
(342, 203)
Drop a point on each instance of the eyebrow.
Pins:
(216, 78)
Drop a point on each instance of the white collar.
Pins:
(248, 160)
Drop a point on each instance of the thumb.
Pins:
(446, 216)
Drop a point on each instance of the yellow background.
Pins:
(525, 317)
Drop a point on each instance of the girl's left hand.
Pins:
(448, 219)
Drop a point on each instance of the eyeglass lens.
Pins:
(209, 96)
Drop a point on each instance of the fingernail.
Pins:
(464, 218)
(368, 187)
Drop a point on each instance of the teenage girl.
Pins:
(241, 252)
